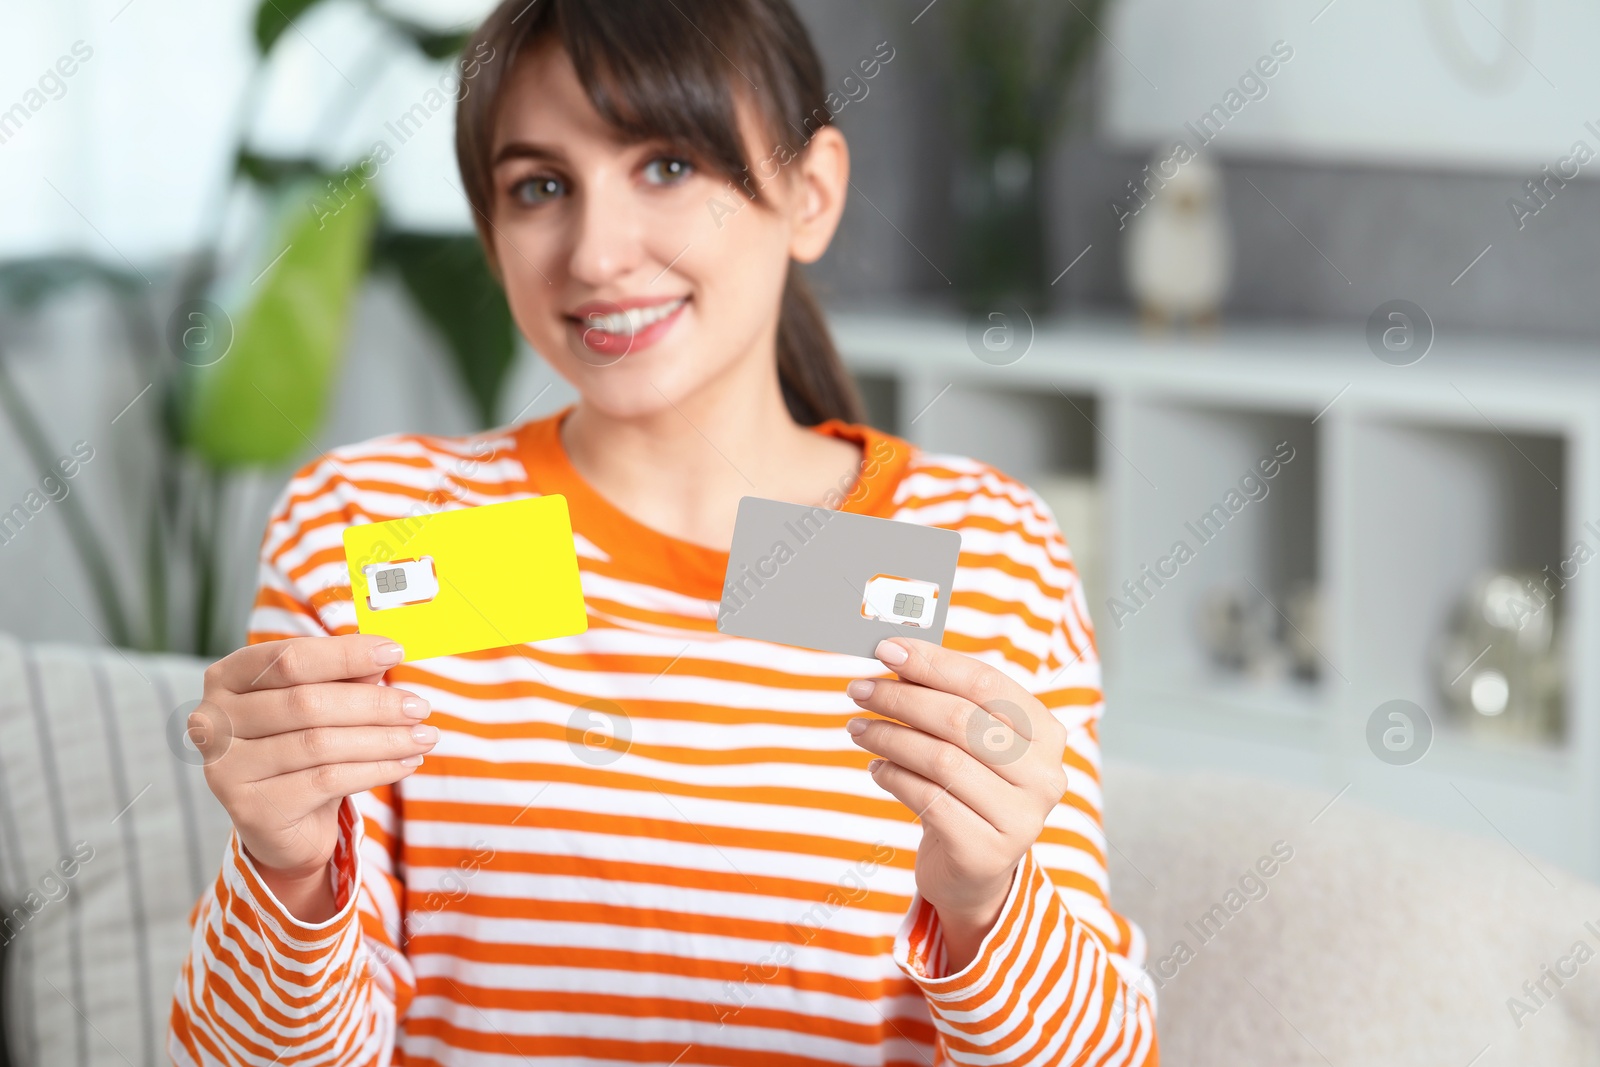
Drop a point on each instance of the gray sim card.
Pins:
(834, 581)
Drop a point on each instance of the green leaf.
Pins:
(439, 45)
(276, 170)
(273, 17)
(263, 402)
(449, 278)
(442, 45)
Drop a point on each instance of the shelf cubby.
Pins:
(1028, 433)
(1465, 500)
(1429, 505)
(1195, 515)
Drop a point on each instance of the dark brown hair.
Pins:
(677, 71)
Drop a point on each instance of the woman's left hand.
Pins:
(978, 760)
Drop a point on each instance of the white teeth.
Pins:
(634, 319)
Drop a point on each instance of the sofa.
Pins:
(1283, 930)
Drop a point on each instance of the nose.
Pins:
(607, 242)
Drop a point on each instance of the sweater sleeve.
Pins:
(260, 987)
(1059, 978)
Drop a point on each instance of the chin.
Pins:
(634, 387)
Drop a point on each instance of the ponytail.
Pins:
(816, 386)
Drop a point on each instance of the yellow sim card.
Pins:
(462, 581)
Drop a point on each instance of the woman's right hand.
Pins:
(288, 729)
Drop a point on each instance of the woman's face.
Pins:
(639, 277)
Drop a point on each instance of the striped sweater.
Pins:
(651, 843)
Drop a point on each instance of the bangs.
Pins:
(652, 75)
(678, 71)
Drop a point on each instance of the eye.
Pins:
(668, 170)
(538, 190)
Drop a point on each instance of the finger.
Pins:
(934, 807)
(987, 795)
(941, 668)
(326, 746)
(277, 711)
(961, 675)
(302, 660)
(988, 734)
(308, 789)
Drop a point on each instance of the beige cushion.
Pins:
(87, 779)
(1378, 943)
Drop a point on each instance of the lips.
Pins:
(618, 328)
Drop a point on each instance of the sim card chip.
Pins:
(400, 582)
(392, 580)
(908, 605)
(899, 600)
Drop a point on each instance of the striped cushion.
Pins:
(106, 840)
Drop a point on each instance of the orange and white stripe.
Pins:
(732, 887)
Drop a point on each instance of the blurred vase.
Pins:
(1014, 66)
(1000, 208)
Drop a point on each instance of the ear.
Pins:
(822, 180)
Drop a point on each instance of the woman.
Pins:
(437, 862)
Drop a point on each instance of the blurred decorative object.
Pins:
(1016, 63)
(1498, 663)
(1243, 633)
(1302, 636)
(1179, 260)
(243, 342)
(1078, 505)
(1239, 630)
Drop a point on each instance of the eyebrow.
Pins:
(526, 150)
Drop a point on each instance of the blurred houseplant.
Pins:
(1016, 64)
(256, 363)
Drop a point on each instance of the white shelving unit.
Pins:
(1405, 484)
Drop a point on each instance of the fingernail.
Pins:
(856, 726)
(425, 735)
(891, 653)
(860, 689)
(387, 655)
(872, 767)
(415, 707)
(411, 761)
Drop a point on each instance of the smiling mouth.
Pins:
(633, 321)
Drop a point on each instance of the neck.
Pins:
(682, 467)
